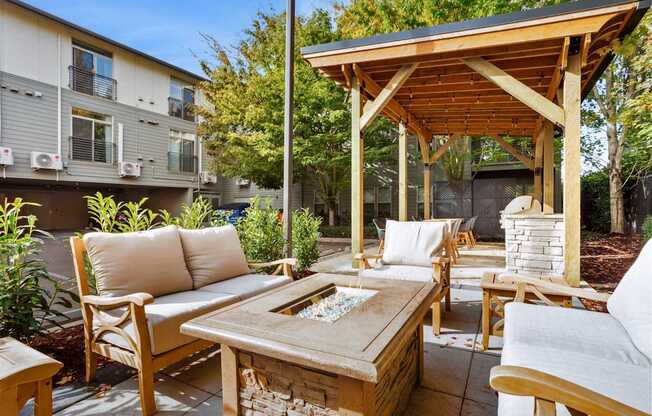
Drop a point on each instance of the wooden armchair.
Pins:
(549, 391)
(439, 270)
(108, 315)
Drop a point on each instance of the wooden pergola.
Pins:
(518, 74)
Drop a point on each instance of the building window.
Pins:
(384, 202)
(181, 152)
(182, 100)
(92, 137)
(92, 73)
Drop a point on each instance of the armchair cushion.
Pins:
(213, 254)
(631, 302)
(247, 285)
(165, 316)
(399, 272)
(413, 242)
(145, 261)
(587, 348)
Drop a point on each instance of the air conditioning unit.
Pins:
(207, 177)
(42, 160)
(129, 170)
(243, 182)
(6, 156)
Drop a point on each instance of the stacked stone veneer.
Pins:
(271, 387)
(534, 244)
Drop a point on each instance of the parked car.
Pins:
(237, 209)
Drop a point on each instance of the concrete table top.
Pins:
(357, 345)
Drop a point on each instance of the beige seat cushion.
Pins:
(247, 285)
(413, 242)
(213, 254)
(145, 261)
(165, 316)
(399, 272)
(588, 348)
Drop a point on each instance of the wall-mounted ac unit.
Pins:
(243, 182)
(128, 169)
(42, 160)
(6, 156)
(207, 177)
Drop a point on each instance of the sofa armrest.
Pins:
(282, 264)
(567, 290)
(440, 260)
(548, 390)
(140, 299)
(364, 258)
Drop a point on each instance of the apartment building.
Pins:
(80, 113)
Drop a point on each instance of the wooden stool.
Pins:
(25, 373)
(498, 290)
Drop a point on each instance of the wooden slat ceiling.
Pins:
(447, 97)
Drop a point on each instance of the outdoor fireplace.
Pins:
(534, 242)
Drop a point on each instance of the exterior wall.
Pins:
(30, 124)
(30, 45)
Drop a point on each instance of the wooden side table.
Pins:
(25, 373)
(497, 290)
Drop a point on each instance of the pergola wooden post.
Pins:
(402, 172)
(357, 172)
(572, 169)
(548, 168)
(426, 191)
(492, 77)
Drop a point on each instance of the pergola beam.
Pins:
(423, 134)
(527, 161)
(373, 108)
(517, 89)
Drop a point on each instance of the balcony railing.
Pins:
(180, 162)
(181, 109)
(90, 83)
(91, 150)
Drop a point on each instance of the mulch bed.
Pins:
(67, 346)
(604, 260)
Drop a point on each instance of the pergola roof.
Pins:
(448, 76)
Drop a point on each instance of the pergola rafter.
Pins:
(518, 74)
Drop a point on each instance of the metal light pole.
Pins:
(288, 133)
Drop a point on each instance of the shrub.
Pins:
(305, 239)
(261, 234)
(596, 216)
(24, 304)
(647, 228)
(110, 216)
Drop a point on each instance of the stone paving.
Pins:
(456, 370)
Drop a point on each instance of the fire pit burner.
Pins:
(329, 304)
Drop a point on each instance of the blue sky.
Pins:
(169, 30)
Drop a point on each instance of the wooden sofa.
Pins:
(151, 282)
(561, 361)
(414, 250)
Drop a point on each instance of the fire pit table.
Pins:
(324, 345)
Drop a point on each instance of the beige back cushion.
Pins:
(213, 254)
(145, 261)
(631, 302)
(413, 242)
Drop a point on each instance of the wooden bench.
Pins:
(25, 373)
(498, 289)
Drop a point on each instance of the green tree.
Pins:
(243, 122)
(619, 105)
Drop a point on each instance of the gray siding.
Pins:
(30, 124)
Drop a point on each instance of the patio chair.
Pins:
(380, 224)
(151, 282)
(414, 251)
(465, 235)
(563, 361)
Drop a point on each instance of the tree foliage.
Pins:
(244, 121)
